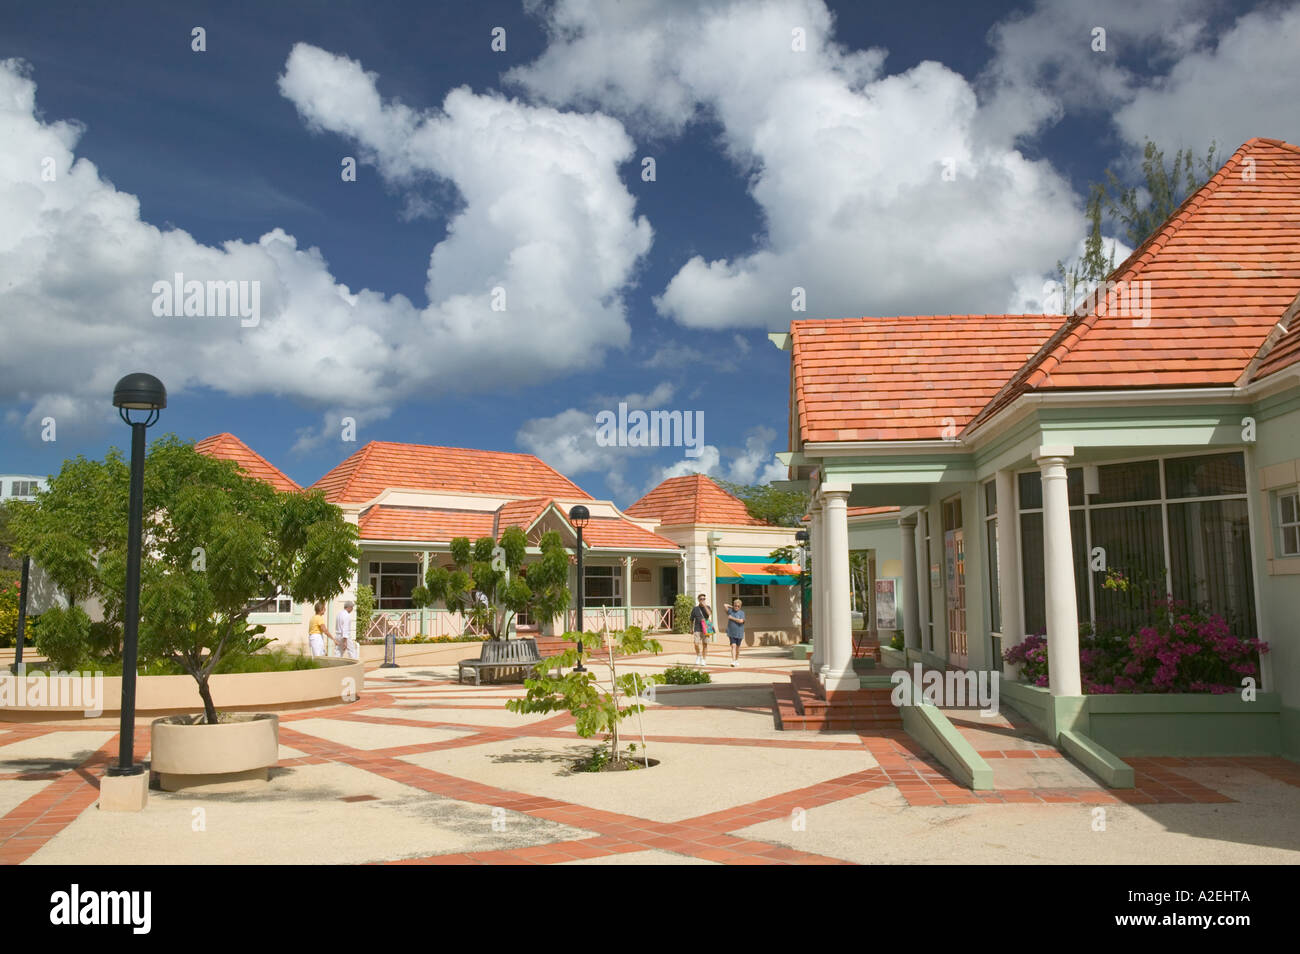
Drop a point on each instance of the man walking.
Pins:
(700, 626)
(735, 631)
(345, 634)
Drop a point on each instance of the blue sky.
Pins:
(776, 167)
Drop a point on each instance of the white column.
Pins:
(911, 592)
(840, 676)
(627, 592)
(1058, 575)
(818, 605)
(1009, 579)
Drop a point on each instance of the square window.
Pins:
(1210, 475)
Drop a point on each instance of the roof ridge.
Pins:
(1035, 372)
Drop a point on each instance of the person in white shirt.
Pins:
(345, 636)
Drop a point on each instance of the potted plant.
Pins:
(218, 547)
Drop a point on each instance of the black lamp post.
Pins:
(578, 516)
(135, 392)
(802, 538)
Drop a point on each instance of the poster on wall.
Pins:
(886, 604)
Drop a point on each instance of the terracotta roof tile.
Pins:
(619, 534)
(1222, 271)
(693, 498)
(230, 447)
(380, 465)
(905, 378)
(424, 524)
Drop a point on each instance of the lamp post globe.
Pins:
(579, 516)
(138, 391)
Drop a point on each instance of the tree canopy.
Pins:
(784, 508)
(218, 544)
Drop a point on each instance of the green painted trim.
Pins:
(932, 730)
(1026, 430)
(1107, 766)
(1276, 405)
(1186, 724)
(900, 469)
(1289, 718)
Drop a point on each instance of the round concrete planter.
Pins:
(185, 753)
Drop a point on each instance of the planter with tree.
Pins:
(219, 546)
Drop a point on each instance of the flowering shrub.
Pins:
(9, 589)
(1031, 657)
(1184, 650)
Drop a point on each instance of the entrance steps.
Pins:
(866, 646)
(803, 704)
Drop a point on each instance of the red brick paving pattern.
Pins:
(902, 764)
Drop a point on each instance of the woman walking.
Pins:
(318, 631)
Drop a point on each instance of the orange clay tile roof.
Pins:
(615, 533)
(520, 513)
(905, 378)
(692, 498)
(434, 525)
(1223, 270)
(230, 447)
(380, 465)
(424, 524)
(1284, 353)
(870, 511)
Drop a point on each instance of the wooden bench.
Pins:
(498, 655)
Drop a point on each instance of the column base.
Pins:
(840, 681)
(124, 793)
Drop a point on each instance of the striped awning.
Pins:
(758, 570)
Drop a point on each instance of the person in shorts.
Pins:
(700, 617)
(735, 631)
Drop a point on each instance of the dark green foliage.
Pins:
(682, 607)
(685, 676)
(215, 541)
(498, 572)
(782, 508)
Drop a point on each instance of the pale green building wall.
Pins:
(1274, 463)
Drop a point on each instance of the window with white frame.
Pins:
(282, 603)
(928, 584)
(1288, 511)
(1177, 525)
(23, 488)
(752, 594)
(602, 585)
(393, 582)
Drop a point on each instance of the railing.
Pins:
(435, 621)
(596, 618)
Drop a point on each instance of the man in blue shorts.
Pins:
(735, 631)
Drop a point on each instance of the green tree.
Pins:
(594, 708)
(217, 545)
(1083, 275)
(365, 609)
(497, 571)
(1143, 210)
(782, 508)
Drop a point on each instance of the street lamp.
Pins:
(802, 539)
(135, 392)
(578, 516)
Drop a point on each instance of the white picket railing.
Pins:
(439, 622)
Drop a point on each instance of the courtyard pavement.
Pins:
(422, 770)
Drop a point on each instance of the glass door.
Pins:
(954, 546)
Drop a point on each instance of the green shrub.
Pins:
(684, 676)
(365, 609)
(896, 641)
(682, 607)
(62, 636)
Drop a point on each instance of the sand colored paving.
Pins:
(690, 779)
(423, 770)
(297, 818)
